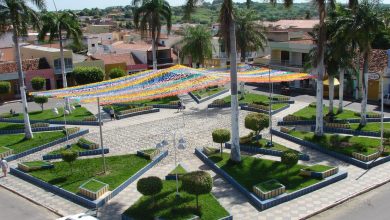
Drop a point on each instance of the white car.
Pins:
(80, 216)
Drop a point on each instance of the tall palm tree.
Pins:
(56, 24)
(20, 15)
(197, 44)
(250, 35)
(149, 18)
(362, 25)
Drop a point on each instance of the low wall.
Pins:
(265, 204)
(313, 122)
(258, 150)
(197, 100)
(349, 131)
(351, 160)
(247, 108)
(81, 154)
(39, 148)
(56, 122)
(79, 199)
(137, 113)
(20, 131)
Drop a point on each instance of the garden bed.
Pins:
(319, 171)
(148, 153)
(244, 176)
(82, 151)
(269, 189)
(168, 206)
(5, 152)
(179, 170)
(78, 114)
(203, 95)
(34, 165)
(93, 189)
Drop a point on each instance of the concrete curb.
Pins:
(345, 199)
(33, 201)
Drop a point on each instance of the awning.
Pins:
(335, 82)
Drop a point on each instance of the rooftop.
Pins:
(286, 24)
(127, 58)
(43, 48)
(378, 61)
(139, 45)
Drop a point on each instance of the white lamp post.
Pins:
(66, 112)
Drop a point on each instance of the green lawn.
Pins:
(130, 105)
(119, 169)
(370, 126)
(262, 143)
(36, 163)
(202, 93)
(93, 185)
(19, 144)
(74, 147)
(253, 98)
(179, 170)
(3, 149)
(269, 185)
(168, 207)
(77, 115)
(309, 113)
(10, 126)
(363, 145)
(318, 168)
(252, 171)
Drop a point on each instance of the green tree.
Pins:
(5, 88)
(250, 34)
(289, 159)
(150, 186)
(86, 75)
(149, 18)
(55, 24)
(69, 156)
(196, 44)
(41, 100)
(38, 83)
(197, 183)
(221, 136)
(256, 122)
(116, 73)
(20, 15)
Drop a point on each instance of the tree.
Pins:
(149, 18)
(86, 75)
(20, 15)
(289, 159)
(250, 34)
(5, 88)
(197, 183)
(55, 24)
(221, 136)
(256, 122)
(38, 83)
(150, 186)
(196, 44)
(116, 73)
(41, 100)
(69, 156)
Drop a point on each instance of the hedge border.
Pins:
(226, 105)
(313, 122)
(137, 113)
(262, 205)
(349, 131)
(56, 122)
(79, 199)
(258, 150)
(350, 160)
(247, 108)
(81, 154)
(19, 131)
(154, 106)
(42, 147)
(208, 97)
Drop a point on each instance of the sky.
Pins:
(81, 4)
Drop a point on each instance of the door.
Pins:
(48, 84)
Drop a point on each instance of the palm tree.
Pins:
(56, 24)
(250, 35)
(362, 25)
(197, 44)
(19, 15)
(149, 18)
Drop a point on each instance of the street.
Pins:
(13, 207)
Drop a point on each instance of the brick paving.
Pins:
(141, 132)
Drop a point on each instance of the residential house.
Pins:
(126, 61)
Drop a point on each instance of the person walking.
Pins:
(4, 166)
(112, 113)
(179, 106)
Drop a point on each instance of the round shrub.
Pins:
(69, 156)
(289, 159)
(116, 73)
(5, 87)
(221, 136)
(256, 122)
(41, 100)
(197, 183)
(150, 186)
(38, 83)
(86, 75)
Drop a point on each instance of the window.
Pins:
(68, 63)
(93, 45)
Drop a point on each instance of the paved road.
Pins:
(13, 207)
(372, 205)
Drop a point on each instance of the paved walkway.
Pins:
(131, 134)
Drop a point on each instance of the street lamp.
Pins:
(181, 145)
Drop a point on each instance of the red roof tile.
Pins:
(11, 67)
(127, 58)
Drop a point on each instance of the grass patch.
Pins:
(35, 163)
(10, 126)
(269, 185)
(318, 168)
(252, 171)
(179, 170)
(93, 185)
(74, 147)
(19, 144)
(3, 150)
(202, 93)
(168, 207)
(252, 98)
(149, 151)
(78, 114)
(363, 145)
(262, 143)
(119, 169)
(130, 105)
(371, 126)
(309, 113)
